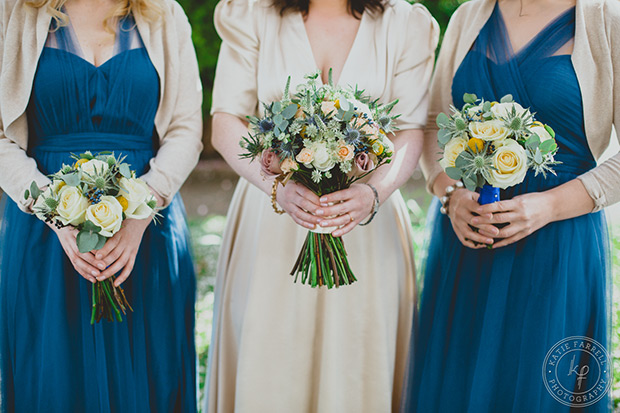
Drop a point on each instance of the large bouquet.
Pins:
(325, 138)
(492, 145)
(95, 195)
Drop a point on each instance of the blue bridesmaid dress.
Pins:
(489, 317)
(51, 358)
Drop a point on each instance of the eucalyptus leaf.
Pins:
(550, 130)
(124, 170)
(507, 99)
(443, 136)
(86, 155)
(486, 107)
(27, 194)
(289, 111)
(532, 142)
(278, 119)
(34, 190)
(87, 241)
(276, 107)
(462, 161)
(454, 173)
(101, 243)
(470, 98)
(89, 226)
(443, 120)
(547, 146)
(71, 179)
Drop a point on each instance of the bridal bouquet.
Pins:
(95, 195)
(492, 145)
(325, 137)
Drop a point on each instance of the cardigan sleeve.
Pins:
(183, 137)
(17, 169)
(603, 182)
(440, 101)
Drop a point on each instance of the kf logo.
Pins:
(581, 374)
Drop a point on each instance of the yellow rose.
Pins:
(80, 162)
(137, 194)
(288, 165)
(452, 151)
(491, 130)
(107, 214)
(345, 152)
(306, 156)
(329, 108)
(72, 206)
(476, 145)
(510, 163)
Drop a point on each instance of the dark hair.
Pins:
(356, 7)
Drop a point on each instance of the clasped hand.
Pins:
(522, 215)
(344, 209)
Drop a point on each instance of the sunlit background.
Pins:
(209, 189)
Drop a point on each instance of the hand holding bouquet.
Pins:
(325, 138)
(95, 196)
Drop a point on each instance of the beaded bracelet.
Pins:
(375, 206)
(445, 200)
(274, 202)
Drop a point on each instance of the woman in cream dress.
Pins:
(284, 347)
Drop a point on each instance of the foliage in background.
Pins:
(207, 42)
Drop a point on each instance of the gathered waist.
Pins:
(93, 141)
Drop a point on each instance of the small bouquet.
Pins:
(325, 138)
(95, 196)
(492, 145)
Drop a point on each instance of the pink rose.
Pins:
(270, 163)
(363, 163)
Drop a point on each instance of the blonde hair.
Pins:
(150, 10)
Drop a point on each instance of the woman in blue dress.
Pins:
(523, 326)
(115, 76)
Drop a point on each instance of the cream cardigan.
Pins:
(23, 32)
(596, 58)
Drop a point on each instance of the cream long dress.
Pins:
(284, 347)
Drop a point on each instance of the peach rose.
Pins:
(306, 156)
(345, 152)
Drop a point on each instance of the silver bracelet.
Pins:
(445, 200)
(375, 207)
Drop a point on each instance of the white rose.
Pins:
(510, 163)
(72, 206)
(502, 110)
(90, 166)
(323, 160)
(542, 133)
(473, 112)
(452, 151)
(107, 214)
(40, 202)
(137, 194)
(491, 130)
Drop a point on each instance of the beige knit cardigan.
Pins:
(178, 122)
(596, 58)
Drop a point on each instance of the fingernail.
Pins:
(99, 256)
(475, 221)
(336, 234)
(320, 212)
(95, 273)
(323, 199)
(323, 204)
(102, 266)
(323, 223)
(489, 241)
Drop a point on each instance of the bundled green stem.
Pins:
(108, 302)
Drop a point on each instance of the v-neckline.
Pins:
(308, 46)
(78, 45)
(537, 36)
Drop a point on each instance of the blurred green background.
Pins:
(209, 189)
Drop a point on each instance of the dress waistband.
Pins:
(93, 141)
